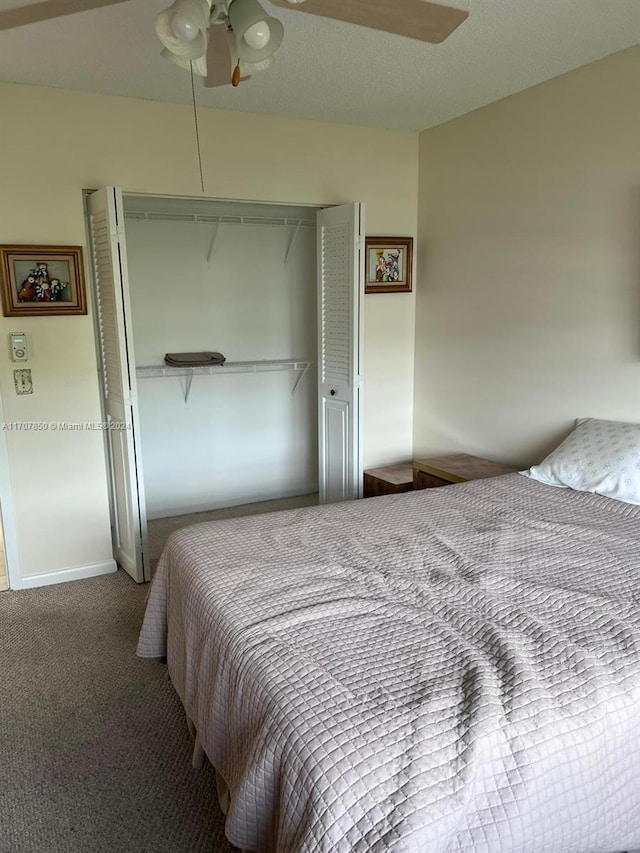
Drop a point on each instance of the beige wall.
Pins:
(528, 309)
(53, 144)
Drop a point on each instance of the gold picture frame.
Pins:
(42, 281)
(388, 264)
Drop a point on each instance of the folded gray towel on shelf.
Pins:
(193, 359)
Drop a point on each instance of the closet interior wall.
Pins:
(239, 279)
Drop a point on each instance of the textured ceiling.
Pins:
(332, 71)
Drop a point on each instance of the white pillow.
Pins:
(599, 456)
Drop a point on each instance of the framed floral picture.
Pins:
(389, 262)
(39, 281)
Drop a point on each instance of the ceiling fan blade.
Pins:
(220, 57)
(416, 19)
(47, 9)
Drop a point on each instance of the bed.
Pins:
(456, 669)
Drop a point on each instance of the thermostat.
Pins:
(19, 350)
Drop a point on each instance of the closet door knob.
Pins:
(332, 392)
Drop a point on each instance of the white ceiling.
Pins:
(331, 71)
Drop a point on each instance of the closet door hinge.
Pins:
(116, 237)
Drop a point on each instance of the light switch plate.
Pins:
(23, 381)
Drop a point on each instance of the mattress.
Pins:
(456, 669)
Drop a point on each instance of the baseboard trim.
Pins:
(79, 573)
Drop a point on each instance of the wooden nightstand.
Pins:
(391, 480)
(454, 468)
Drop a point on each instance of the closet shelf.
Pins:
(216, 220)
(273, 366)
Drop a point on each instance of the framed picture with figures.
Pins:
(388, 264)
(39, 281)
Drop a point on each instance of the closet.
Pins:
(239, 279)
(277, 289)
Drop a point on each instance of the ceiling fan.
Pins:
(226, 42)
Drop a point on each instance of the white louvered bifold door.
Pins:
(340, 288)
(129, 521)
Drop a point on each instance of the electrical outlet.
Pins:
(23, 382)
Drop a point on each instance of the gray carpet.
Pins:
(94, 749)
(95, 756)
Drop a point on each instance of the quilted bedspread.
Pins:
(456, 669)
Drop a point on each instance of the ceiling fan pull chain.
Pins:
(235, 77)
(195, 122)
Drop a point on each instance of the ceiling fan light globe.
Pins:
(258, 35)
(243, 16)
(198, 64)
(184, 27)
(248, 69)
